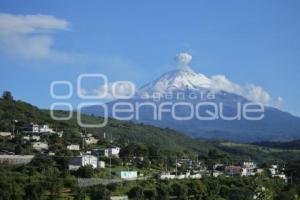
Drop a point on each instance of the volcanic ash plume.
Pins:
(183, 60)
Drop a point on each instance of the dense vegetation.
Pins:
(46, 178)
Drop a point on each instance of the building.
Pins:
(50, 153)
(83, 160)
(40, 146)
(73, 147)
(5, 134)
(217, 173)
(32, 128)
(34, 138)
(90, 140)
(101, 164)
(166, 175)
(273, 170)
(282, 176)
(195, 176)
(15, 159)
(248, 169)
(108, 152)
(119, 198)
(35, 128)
(127, 174)
(112, 151)
(233, 170)
(45, 129)
(259, 170)
(249, 165)
(247, 172)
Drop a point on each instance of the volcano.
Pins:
(187, 90)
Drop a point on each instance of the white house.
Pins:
(73, 147)
(217, 173)
(249, 165)
(273, 170)
(195, 176)
(248, 169)
(118, 197)
(33, 128)
(83, 160)
(127, 174)
(247, 172)
(101, 164)
(40, 146)
(259, 170)
(5, 134)
(34, 137)
(282, 176)
(90, 140)
(167, 175)
(45, 129)
(112, 151)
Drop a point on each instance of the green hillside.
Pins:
(122, 133)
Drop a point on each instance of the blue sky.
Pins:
(248, 41)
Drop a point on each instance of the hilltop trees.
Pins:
(7, 96)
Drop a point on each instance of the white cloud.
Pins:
(220, 82)
(30, 36)
(250, 91)
(257, 94)
(279, 102)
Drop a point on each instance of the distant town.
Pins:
(89, 153)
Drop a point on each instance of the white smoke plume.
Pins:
(183, 60)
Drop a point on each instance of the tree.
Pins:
(86, 171)
(136, 193)
(7, 96)
(196, 188)
(34, 191)
(150, 194)
(163, 191)
(80, 193)
(179, 190)
(100, 193)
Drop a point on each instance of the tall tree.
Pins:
(7, 96)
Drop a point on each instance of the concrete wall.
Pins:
(15, 159)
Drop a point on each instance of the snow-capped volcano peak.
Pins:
(185, 78)
(180, 79)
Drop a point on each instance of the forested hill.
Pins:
(295, 144)
(120, 131)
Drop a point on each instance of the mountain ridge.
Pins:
(276, 125)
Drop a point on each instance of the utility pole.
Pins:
(110, 167)
(13, 126)
(176, 167)
(166, 165)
